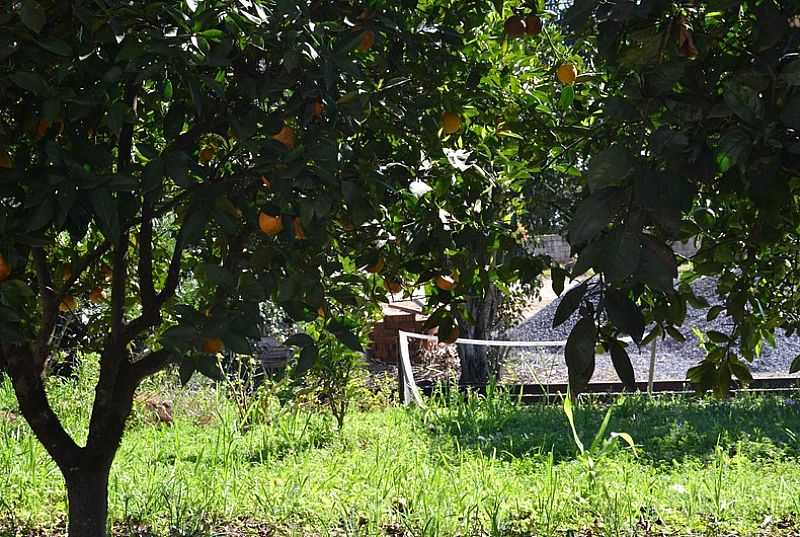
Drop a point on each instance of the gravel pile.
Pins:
(673, 358)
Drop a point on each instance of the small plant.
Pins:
(335, 375)
(610, 507)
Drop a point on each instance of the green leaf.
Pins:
(174, 120)
(622, 364)
(33, 15)
(739, 369)
(299, 340)
(592, 216)
(657, 266)
(795, 367)
(791, 73)
(718, 337)
(177, 165)
(209, 366)
(31, 82)
(622, 251)
(579, 354)
(609, 168)
(186, 371)
(107, 213)
(790, 115)
(213, 34)
(744, 101)
(308, 358)
(56, 46)
(569, 304)
(219, 276)
(734, 148)
(348, 338)
(567, 97)
(625, 314)
(558, 277)
(714, 312)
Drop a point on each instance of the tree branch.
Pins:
(49, 300)
(85, 262)
(35, 407)
(151, 364)
(147, 290)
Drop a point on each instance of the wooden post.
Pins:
(652, 372)
(401, 380)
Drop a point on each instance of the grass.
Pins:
(466, 468)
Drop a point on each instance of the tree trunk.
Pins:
(87, 493)
(475, 366)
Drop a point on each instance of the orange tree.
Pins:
(177, 164)
(510, 130)
(699, 139)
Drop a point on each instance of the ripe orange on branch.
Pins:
(207, 154)
(5, 159)
(212, 345)
(297, 229)
(270, 225)
(451, 337)
(68, 303)
(514, 26)
(393, 286)
(377, 266)
(567, 73)
(533, 25)
(286, 137)
(317, 109)
(445, 283)
(5, 269)
(450, 123)
(367, 40)
(97, 296)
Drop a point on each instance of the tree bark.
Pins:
(87, 494)
(475, 366)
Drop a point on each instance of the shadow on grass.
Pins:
(666, 428)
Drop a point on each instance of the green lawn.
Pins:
(476, 468)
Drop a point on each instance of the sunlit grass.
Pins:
(476, 467)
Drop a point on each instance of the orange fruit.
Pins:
(450, 122)
(41, 128)
(207, 154)
(286, 137)
(514, 26)
(393, 286)
(445, 283)
(5, 159)
(451, 337)
(68, 303)
(5, 269)
(377, 266)
(266, 182)
(212, 345)
(270, 225)
(97, 296)
(567, 73)
(533, 25)
(297, 229)
(367, 40)
(318, 109)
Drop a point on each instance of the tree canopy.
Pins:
(698, 140)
